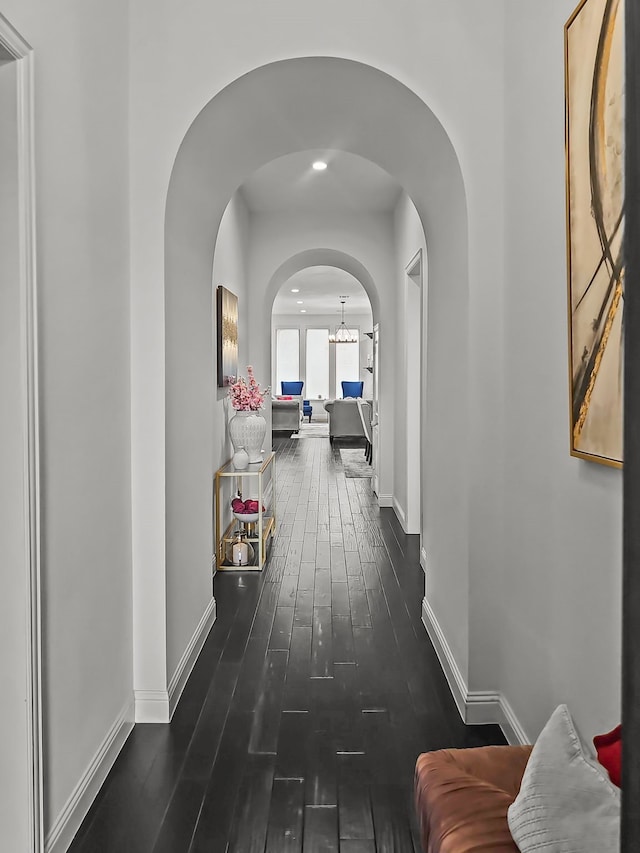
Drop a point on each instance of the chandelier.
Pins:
(342, 335)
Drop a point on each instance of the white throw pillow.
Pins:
(567, 803)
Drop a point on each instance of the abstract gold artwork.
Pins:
(594, 123)
(227, 338)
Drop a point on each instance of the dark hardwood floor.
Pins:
(314, 693)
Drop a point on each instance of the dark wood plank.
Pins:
(284, 833)
(320, 829)
(251, 817)
(357, 846)
(377, 698)
(340, 604)
(212, 829)
(354, 809)
(281, 631)
(322, 590)
(303, 617)
(180, 820)
(266, 717)
(342, 640)
(321, 644)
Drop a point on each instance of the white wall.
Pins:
(366, 237)
(230, 268)
(559, 622)
(81, 57)
(14, 770)
(362, 322)
(469, 105)
(189, 592)
(409, 466)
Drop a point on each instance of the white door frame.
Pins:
(414, 390)
(18, 48)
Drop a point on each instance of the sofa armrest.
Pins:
(462, 797)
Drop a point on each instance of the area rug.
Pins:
(312, 431)
(354, 462)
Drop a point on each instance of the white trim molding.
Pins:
(158, 706)
(400, 514)
(190, 656)
(475, 707)
(22, 52)
(152, 706)
(75, 809)
(385, 501)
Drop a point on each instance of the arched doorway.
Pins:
(263, 115)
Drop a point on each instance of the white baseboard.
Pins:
(157, 706)
(448, 663)
(400, 514)
(475, 707)
(75, 809)
(152, 706)
(385, 501)
(190, 656)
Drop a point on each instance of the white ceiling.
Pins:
(320, 288)
(350, 183)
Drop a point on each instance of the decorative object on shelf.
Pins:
(246, 511)
(240, 459)
(342, 335)
(594, 133)
(247, 427)
(256, 514)
(242, 552)
(227, 336)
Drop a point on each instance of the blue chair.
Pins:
(352, 389)
(295, 389)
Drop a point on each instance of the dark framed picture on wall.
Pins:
(227, 336)
(594, 126)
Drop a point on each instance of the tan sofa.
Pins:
(462, 797)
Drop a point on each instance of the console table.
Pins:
(257, 481)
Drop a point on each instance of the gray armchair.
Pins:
(344, 419)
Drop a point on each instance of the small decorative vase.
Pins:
(247, 429)
(240, 459)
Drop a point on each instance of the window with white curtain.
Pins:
(317, 379)
(347, 363)
(287, 357)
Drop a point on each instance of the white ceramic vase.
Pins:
(247, 429)
(240, 459)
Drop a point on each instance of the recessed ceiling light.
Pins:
(303, 310)
(295, 290)
(300, 301)
(319, 165)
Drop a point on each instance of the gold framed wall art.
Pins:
(594, 127)
(227, 336)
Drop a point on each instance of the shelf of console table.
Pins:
(260, 532)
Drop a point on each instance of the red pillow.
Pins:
(284, 397)
(609, 749)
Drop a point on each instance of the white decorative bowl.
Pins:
(247, 517)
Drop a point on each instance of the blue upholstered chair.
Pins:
(295, 388)
(352, 389)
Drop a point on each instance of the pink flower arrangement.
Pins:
(247, 396)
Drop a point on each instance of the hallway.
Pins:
(314, 693)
